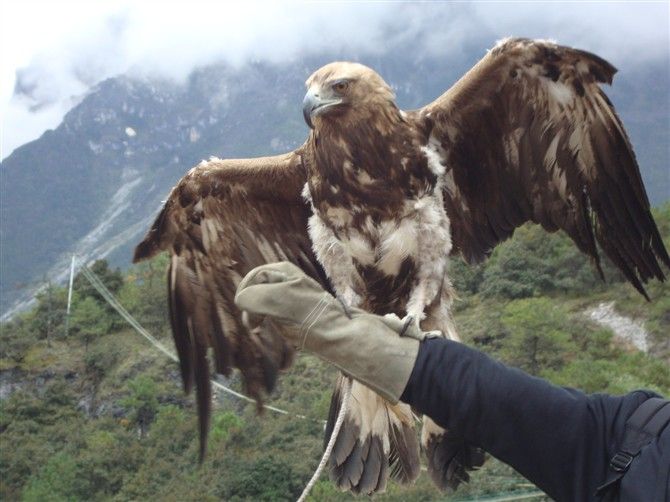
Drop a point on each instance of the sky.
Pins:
(58, 50)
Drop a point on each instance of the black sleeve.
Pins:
(560, 439)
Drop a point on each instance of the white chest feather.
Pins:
(420, 233)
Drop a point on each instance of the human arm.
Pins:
(560, 439)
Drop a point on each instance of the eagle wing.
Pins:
(222, 219)
(529, 135)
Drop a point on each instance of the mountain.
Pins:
(93, 185)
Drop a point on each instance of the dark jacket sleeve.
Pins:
(560, 439)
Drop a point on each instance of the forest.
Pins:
(92, 411)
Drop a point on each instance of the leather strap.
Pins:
(642, 427)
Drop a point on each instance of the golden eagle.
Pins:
(374, 203)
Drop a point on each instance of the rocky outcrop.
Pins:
(626, 329)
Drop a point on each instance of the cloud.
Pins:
(617, 31)
(59, 49)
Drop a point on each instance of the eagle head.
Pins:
(345, 92)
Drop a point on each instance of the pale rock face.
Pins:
(626, 329)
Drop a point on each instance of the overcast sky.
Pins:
(62, 48)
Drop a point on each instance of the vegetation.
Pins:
(100, 414)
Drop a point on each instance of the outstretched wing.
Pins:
(528, 135)
(224, 218)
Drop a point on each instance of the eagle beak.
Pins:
(314, 105)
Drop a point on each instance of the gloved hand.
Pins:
(378, 351)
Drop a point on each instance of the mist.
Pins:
(54, 53)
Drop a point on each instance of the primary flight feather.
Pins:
(373, 204)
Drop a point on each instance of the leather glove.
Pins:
(378, 351)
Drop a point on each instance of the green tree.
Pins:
(48, 318)
(535, 262)
(16, 337)
(516, 272)
(662, 216)
(142, 402)
(144, 294)
(264, 479)
(106, 459)
(224, 425)
(33, 426)
(97, 363)
(57, 481)
(89, 320)
(112, 279)
(465, 278)
(537, 339)
(168, 457)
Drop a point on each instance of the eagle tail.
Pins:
(377, 439)
(449, 456)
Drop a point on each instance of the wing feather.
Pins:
(529, 135)
(224, 218)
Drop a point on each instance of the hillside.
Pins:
(92, 185)
(100, 415)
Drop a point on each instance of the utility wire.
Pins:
(116, 305)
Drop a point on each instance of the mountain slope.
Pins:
(92, 185)
(100, 414)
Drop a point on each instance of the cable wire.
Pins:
(116, 305)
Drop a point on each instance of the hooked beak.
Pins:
(314, 105)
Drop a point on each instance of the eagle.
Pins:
(374, 204)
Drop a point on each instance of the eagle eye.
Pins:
(340, 85)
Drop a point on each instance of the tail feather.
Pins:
(377, 439)
(449, 457)
(374, 467)
(403, 461)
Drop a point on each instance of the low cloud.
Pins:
(73, 46)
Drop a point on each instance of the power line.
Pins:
(116, 305)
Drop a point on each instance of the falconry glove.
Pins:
(378, 351)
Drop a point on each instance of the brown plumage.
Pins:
(516, 155)
(224, 218)
(374, 202)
